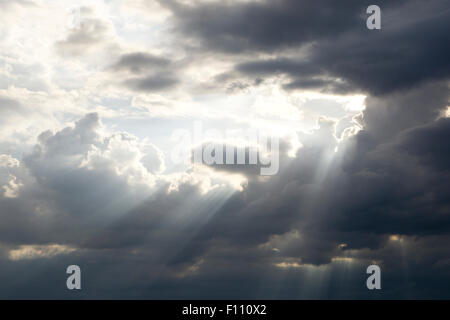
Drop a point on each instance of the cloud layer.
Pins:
(86, 178)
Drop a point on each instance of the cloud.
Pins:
(146, 72)
(426, 144)
(265, 25)
(325, 210)
(9, 108)
(88, 33)
(139, 62)
(70, 177)
(357, 187)
(33, 252)
(8, 179)
(151, 83)
(326, 49)
(369, 189)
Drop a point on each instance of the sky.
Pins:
(103, 103)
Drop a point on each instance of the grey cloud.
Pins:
(267, 25)
(140, 62)
(394, 58)
(151, 83)
(342, 55)
(68, 181)
(146, 72)
(427, 143)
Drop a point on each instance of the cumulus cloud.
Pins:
(72, 174)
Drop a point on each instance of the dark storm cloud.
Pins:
(376, 62)
(391, 59)
(428, 143)
(396, 188)
(267, 25)
(412, 46)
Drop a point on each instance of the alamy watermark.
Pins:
(374, 20)
(74, 18)
(74, 280)
(236, 147)
(374, 280)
